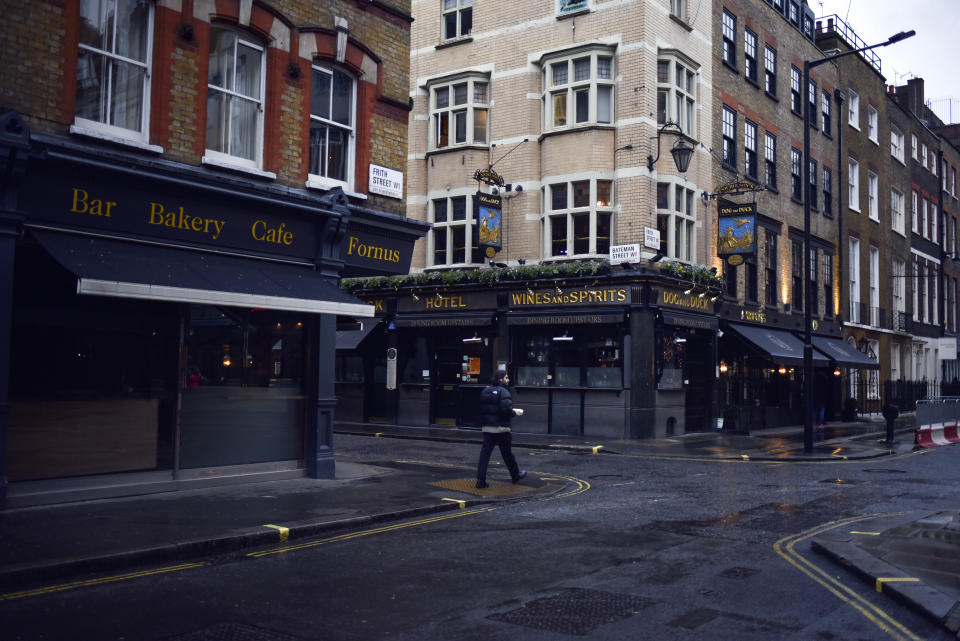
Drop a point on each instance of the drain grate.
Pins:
(469, 486)
(575, 611)
(738, 573)
(233, 632)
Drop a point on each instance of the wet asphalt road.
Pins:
(640, 547)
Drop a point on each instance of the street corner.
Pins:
(533, 484)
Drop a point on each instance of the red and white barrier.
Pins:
(937, 434)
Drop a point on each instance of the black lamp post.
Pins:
(682, 151)
(808, 298)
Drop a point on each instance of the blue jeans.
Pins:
(502, 441)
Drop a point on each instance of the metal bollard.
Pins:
(890, 412)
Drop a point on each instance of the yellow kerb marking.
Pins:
(462, 504)
(745, 457)
(284, 531)
(378, 434)
(867, 533)
(894, 579)
(597, 448)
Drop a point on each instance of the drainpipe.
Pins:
(839, 97)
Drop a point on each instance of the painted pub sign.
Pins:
(736, 231)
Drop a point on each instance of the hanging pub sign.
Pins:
(489, 219)
(736, 231)
(488, 177)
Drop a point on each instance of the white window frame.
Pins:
(915, 277)
(899, 291)
(896, 143)
(566, 7)
(915, 211)
(934, 222)
(566, 90)
(451, 227)
(874, 286)
(896, 210)
(770, 70)
(728, 40)
(326, 182)
(566, 216)
(227, 159)
(137, 137)
(924, 153)
(872, 125)
(826, 112)
(873, 196)
(854, 291)
(452, 111)
(913, 146)
(678, 8)
(853, 184)
(681, 101)
(459, 7)
(680, 198)
(853, 109)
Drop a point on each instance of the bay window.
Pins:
(677, 91)
(578, 89)
(579, 218)
(676, 220)
(458, 112)
(452, 240)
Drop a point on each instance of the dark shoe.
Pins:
(481, 485)
(520, 476)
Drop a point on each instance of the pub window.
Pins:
(796, 105)
(770, 160)
(796, 180)
(729, 44)
(348, 368)
(770, 268)
(113, 68)
(813, 280)
(730, 280)
(825, 111)
(770, 71)
(579, 218)
(752, 275)
(796, 263)
(677, 92)
(235, 99)
(458, 112)
(827, 191)
(452, 240)
(332, 127)
(750, 55)
(676, 220)
(728, 150)
(457, 18)
(750, 149)
(578, 90)
(569, 356)
(828, 285)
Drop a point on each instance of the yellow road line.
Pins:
(866, 533)
(283, 531)
(894, 579)
(102, 580)
(581, 487)
(785, 548)
(357, 535)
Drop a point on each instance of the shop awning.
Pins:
(350, 339)
(780, 346)
(465, 319)
(696, 321)
(108, 267)
(843, 354)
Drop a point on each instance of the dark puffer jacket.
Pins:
(496, 406)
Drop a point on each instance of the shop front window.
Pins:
(572, 357)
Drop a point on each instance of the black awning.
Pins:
(843, 354)
(778, 345)
(109, 267)
(571, 317)
(350, 339)
(696, 321)
(465, 319)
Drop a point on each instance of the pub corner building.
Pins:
(166, 327)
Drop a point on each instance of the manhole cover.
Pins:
(575, 611)
(738, 573)
(233, 632)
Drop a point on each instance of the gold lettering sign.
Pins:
(757, 317)
(572, 297)
(444, 302)
(83, 204)
(373, 252)
(679, 299)
(180, 219)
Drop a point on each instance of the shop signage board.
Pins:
(386, 182)
(447, 302)
(375, 249)
(572, 297)
(651, 238)
(737, 230)
(677, 299)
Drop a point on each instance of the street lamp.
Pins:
(807, 306)
(682, 151)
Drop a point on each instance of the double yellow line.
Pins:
(785, 547)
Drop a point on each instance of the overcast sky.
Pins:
(933, 54)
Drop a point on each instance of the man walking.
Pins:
(496, 410)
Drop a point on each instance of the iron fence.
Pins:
(870, 396)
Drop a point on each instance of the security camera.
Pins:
(518, 188)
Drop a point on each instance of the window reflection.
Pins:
(574, 357)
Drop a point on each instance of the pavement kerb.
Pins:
(931, 603)
(193, 549)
